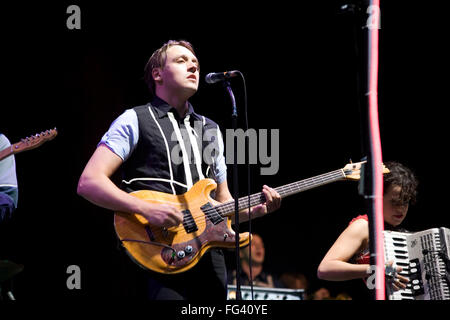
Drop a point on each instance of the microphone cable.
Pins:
(210, 80)
(247, 147)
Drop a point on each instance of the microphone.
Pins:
(214, 77)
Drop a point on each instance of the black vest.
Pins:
(160, 161)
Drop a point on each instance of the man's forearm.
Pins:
(102, 192)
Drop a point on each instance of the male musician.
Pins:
(8, 182)
(157, 146)
(349, 257)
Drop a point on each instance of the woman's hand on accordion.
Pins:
(397, 281)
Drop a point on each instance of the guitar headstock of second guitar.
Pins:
(34, 141)
(352, 171)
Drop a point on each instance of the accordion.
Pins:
(424, 258)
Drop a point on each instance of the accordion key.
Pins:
(424, 258)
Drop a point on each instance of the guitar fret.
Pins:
(310, 183)
(284, 191)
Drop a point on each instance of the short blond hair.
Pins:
(158, 60)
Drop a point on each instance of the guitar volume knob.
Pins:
(188, 249)
(181, 254)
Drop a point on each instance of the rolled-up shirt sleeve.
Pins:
(123, 134)
(9, 191)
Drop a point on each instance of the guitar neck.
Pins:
(228, 208)
(15, 148)
(28, 143)
(6, 152)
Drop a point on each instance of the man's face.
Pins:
(394, 210)
(180, 72)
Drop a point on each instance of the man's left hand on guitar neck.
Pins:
(273, 202)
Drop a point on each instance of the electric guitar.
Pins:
(28, 143)
(206, 222)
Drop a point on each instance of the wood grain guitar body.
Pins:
(177, 249)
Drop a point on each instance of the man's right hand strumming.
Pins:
(162, 215)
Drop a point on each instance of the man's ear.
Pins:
(156, 74)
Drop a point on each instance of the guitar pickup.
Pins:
(211, 213)
(150, 234)
(188, 221)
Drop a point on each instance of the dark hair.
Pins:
(403, 177)
(158, 60)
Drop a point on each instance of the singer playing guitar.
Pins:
(165, 146)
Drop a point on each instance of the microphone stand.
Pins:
(234, 117)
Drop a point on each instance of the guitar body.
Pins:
(177, 249)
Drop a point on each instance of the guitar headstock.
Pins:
(34, 141)
(352, 171)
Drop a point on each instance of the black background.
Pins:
(300, 67)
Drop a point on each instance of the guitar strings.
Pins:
(288, 189)
(256, 198)
(200, 221)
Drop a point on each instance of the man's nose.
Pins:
(192, 67)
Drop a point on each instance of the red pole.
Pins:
(373, 25)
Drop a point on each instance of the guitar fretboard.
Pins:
(228, 208)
